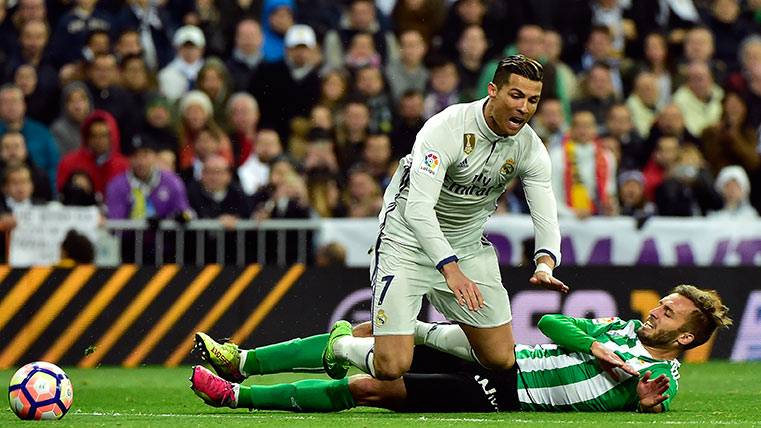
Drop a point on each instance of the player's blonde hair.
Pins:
(710, 314)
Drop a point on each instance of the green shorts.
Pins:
(401, 277)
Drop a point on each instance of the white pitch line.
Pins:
(354, 416)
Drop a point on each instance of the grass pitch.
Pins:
(712, 394)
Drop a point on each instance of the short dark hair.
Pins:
(78, 248)
(710, 315)
(520, 65)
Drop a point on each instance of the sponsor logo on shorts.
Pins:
(430, 164)
(468, 143)
(381, 318)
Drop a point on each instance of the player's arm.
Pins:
(578, 335)
(430, 159)
(537, 184)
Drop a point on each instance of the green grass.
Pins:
(710, 394)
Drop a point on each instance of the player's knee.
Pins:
(364, 389)
(391, 366)
(498, 360)
(362, 330)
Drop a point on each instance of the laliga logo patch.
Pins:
(508, 167)
(430, 164)
(381, 318)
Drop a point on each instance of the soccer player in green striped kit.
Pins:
(594, 365)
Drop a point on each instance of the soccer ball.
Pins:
(40, 390)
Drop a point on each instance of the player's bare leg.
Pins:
(392, 356)
(493, 347)
(368, 391)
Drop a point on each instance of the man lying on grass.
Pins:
(594, 365)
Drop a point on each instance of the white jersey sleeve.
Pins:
(537, 184)
(433, 153)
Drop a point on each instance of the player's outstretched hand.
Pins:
(609, 360)
(546, 280)
(651, 392)
(465, 291)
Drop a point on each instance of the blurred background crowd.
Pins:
(232, 109)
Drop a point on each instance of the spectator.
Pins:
(325, 196)
(631, 191)
(376, 158)
(28, 10)
(670, 123)
(598, 94)
(73, 29)
(102, 80)
(363, 194)
(179, 75)
(658, 61)
(321, 117)
(76, 249)
(197, 115)
(699, 99)
(78, 191)
(127, 44)
(290, 87)
(471, 48)
(371, 87)
(255, 171)
(18, 190)
(214, 81)
(600, 50)
(77, 104)
(285, 196)
(734, 187)
(247, 55)
(620, 127)
(351, 132)
(330, 255)
(98, 42)
(231, 14)
(216, 196)
(13, 153)
(207, 142)
(98, 156)
(32, 50)
(729, 28)
(358, 18)
(138, 81)
(277, 16)
(567, 84)
(151, 23)
(663, 159)
(549, 122)
(643, 102)
(583, 176)
(333, 90)
(39, 141)
(422, 16)
(687, 188)
(408, 72)
(158, 124)
(750, 55)
(464, 13)
(40, 106)
(699, 47)
(609, 14)
(753, 95)
(243, 114)
(361, 53)
(205, 15)
(732, 141)
(443, 91)
(320, 158)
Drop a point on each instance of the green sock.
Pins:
(296, 355)
(310, 395)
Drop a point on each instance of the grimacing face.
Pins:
(663, 326)
(513, 104)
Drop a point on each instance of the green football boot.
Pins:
(224, 358)
(335, 368)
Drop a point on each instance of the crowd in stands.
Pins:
(234, 109)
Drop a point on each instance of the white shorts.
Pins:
(400, 280)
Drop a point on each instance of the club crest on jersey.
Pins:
(508, 167)
(430, 164)
(468, 143)
(381, 318)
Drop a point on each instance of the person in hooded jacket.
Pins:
(99, 156)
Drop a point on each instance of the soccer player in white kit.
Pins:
(431, 233)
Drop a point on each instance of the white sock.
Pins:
(447, 338)
(358, 351)
(243, 356)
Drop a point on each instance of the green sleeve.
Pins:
(575, 334)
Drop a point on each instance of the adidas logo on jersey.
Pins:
(463, 164)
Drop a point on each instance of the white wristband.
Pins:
(543, 267)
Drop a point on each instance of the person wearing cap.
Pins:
(734, 187)
(179, 76)
(290, 87)
(631, 193)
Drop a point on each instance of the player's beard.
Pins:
(658, 338)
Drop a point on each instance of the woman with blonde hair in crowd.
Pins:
(214, 80)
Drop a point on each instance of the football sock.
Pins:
(310, 395)
(447, 338)
(358, 351)
(296, 355)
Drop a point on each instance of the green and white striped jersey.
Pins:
(553, 378)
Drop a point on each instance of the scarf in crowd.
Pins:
(142, 206)
(577, 195)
